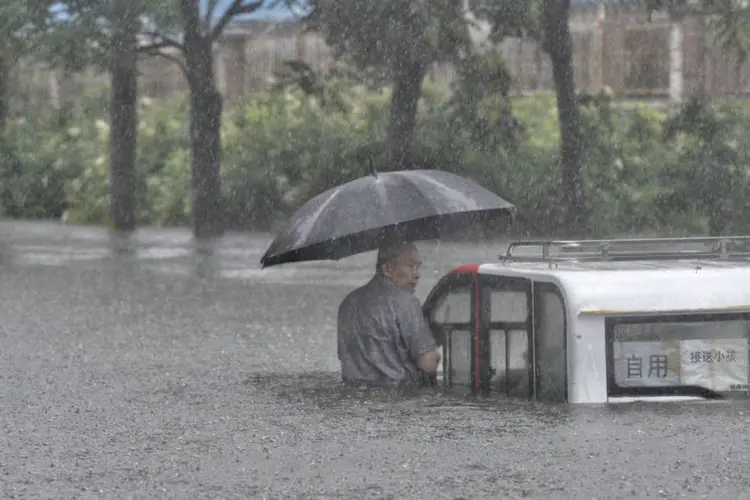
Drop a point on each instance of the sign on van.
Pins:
(717, 364)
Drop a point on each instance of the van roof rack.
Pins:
(711, 248)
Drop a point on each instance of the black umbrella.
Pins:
(360, 215)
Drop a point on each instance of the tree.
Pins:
(546, 21)
(401, 38)
(21, 22)
(123, 132)
(82, 33)
(193, 35)
(558, 43)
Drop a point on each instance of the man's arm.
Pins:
(418, 337)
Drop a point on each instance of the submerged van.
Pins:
(597, 321)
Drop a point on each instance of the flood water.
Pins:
(158, 368)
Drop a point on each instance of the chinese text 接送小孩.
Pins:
(713, 356)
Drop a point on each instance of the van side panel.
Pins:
(587, 360)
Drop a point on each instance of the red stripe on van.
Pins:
(467, 269)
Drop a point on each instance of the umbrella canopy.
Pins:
(360, 215)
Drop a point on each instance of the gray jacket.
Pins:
(381, 334)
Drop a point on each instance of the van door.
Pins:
(550, 343)
(506, 335)
(450, 309)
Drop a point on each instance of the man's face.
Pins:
(404, 269)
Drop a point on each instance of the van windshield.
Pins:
(705, 356)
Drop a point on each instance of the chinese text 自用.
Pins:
(657, 366)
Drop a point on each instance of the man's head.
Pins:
(401, 263)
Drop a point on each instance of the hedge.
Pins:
(646, 172)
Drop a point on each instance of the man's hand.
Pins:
(429, 361)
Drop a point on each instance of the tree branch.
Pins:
(237, 8)
(171, 58)
(191, 23)
(153, 47)
(159, 40)
(210, 14)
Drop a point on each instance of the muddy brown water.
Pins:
(158, 369)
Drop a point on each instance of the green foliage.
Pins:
(49, 154)
(78, 34)
(510, 18)
(388, 34)
(479, 107)
(21, 23)
(647, 173)
(711, 144)
(625, 156)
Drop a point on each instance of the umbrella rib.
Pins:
(314, 218)
(425, 198)
(466, 201)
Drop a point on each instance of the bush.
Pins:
(646, 173)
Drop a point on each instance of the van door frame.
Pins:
(486, 283)
(461, 279)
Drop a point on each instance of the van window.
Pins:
(550, 353)
(454, 307)
(512, 352)
(510, 306)
(653, 354)
(509, 339)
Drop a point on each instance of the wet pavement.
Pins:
(158, 368)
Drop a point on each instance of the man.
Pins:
(383, 337)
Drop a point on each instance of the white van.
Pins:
(597, 321)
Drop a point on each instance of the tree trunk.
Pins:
(407, 90)
(4, 83)
(205, 134)
(124, 129)
(558, 44)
